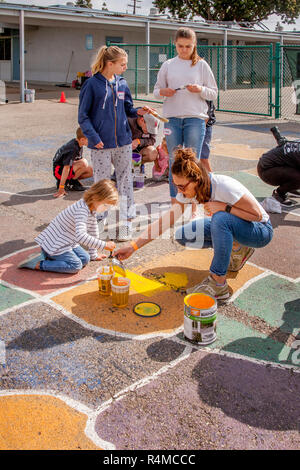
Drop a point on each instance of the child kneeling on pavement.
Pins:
(69, 166)
(77, 224)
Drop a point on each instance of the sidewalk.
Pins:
(76, 373)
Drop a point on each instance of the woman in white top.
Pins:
(236, 222)
(185, 82)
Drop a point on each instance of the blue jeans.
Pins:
(206, 143)
(187, 132)
(219, 232)
(69, 262)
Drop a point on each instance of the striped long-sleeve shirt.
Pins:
(75, 225)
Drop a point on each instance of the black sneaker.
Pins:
(295, 193)
(75, 185)
(284, 201)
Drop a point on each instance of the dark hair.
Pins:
(188, 33)
(80, 134)
(187, 165)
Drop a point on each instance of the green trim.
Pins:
(277, 59)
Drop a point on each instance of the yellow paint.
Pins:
(35, 422)
(174, 280)
(144, 286)
(181, 269)
(240, 151)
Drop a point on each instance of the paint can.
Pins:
(105, 275)
(136, 159)
(29, 95)
(200, 318)
(139, 180)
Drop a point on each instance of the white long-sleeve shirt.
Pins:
(74, 226)
(177, 72)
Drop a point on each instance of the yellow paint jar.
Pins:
(120, 291)
(105, 274)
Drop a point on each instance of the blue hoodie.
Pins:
(103, 111)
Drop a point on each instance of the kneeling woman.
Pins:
(236, 222)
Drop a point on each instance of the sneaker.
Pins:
(209, 286)
(295, 193)
(125, 233)
(31, 261)
(284, 201)
(239, 258)
(75, 185)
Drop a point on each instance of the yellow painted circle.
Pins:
(147, 309)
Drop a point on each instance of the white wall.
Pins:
(5, 70)
(48, 50)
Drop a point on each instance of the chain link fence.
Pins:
(290, 82)
(251, 79)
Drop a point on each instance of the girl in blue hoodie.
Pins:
(105, 102)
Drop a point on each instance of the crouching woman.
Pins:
(235, 223)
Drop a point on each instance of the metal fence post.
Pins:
(277, 59)
(218, 77)
(136, 73)
(270, 79)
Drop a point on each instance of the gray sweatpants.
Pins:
(121, 158)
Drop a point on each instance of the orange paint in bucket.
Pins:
(201, 301)
(200, 313)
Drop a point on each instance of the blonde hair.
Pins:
(104, 190)
(106, 54)
(188, 33)
(187, 165)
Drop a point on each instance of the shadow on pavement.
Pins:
(61, 331)
(251, 393)
(44, 194)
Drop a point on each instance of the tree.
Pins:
(231, 10)
(84, 3)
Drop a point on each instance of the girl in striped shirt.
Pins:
(77, 224)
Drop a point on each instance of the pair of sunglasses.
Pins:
(182, 187)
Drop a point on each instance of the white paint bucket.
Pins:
(200, 318)
(29, 95)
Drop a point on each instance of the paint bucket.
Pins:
(200, 318)
(105, 275)
(139, 180)
(120, 291)
(136, 159)
(29, 95)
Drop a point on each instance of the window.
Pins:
(5, 48)
(89, 42)
(114, 39)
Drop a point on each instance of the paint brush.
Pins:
(158, 116)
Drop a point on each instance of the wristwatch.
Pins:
(228, 208)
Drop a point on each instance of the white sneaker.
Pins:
(124, 234)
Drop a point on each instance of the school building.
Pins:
(52, 44)
(51, 37)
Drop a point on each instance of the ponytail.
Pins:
(187, 165)
(104, 55)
